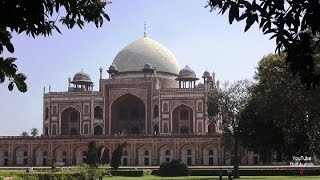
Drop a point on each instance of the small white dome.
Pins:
(112, 67)
(142, 51)
(147, 66)
(206, 74)
(81, 77)
(187, 72)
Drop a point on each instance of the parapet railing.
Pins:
(128, 80)
(183, 90)
(74, 93)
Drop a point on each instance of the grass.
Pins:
(12, 173)
(216, 177)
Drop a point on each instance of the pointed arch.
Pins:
(98, 130)
(165, 153)
(21, 155)
(210, 155)
(61, 155)
(144, 155)
(128, 115)
(79, 155)
(70, 121)
(182, 119)
(188, 154)
(211, 128)
(40, 156)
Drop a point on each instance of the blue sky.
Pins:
(201, 39)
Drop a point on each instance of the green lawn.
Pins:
(216, 177)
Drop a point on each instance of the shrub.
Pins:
(173, 168)
(147, 172)
(155, 172)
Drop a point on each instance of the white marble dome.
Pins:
(81, 76)
(134, 56)
(187, 72)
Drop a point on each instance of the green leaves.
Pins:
(280, 103)
(250, 20)
(92, 156)
(284, 20)
(9, 70)
(37, 18)
(233, 12)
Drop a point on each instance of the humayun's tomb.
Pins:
(158, 109)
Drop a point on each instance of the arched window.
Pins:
(46, 114)
(156, 129)
(210, 152)
(98, 112)
(125, 153)
(184, 114)
(146, 153)
(200, 106)
(211, 128)
(98, 130)
(156, 111)
(167, 153)
(165, 107)
(74, 116)
(189, 152)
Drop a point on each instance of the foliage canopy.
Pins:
(285, 115)
(293, 23)
(40, 18)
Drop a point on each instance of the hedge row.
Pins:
(53, 176)
(192, 172)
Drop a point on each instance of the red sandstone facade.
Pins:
(159, 111)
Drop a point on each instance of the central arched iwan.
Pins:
(128, 115)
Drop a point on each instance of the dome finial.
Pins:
(145, 29)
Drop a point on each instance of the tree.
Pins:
(92, 157)
(294, 24)
(258, 132)
(230, 102)
(116, 156)
(281, 105)
(39, 18)
(24, 133)
(34, 132)
(103, 156)
(212, 102)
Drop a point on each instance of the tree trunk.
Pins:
(236, 173)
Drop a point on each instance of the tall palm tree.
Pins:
(34, 132)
